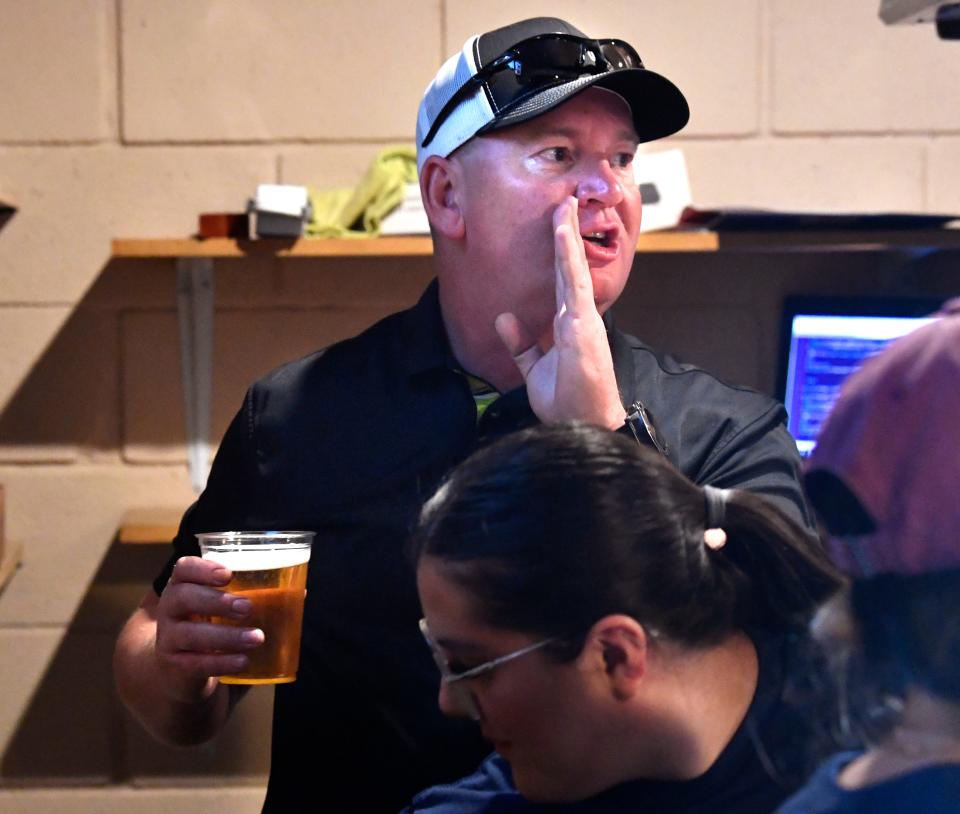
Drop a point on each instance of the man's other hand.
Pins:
(190, 650)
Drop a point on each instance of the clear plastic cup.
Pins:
(270, 569)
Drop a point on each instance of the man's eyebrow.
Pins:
(547, 131)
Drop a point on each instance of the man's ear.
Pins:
(617, 647)
(440, 188)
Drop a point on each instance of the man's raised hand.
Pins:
(574, 378)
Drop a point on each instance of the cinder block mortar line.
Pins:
(38, 304)
(270, 142)
(118, 45)
(110, 71)
(55, 142)
(28, 626)
(876, 134)
(120, 401)
(92, 467)
(765, 63)
(442, 39)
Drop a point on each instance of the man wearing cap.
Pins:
(525, 147)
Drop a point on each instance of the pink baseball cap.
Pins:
(885, 474)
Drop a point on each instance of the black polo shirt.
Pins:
(349, 442)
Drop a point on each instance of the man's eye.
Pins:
(622, 160)
(556, 153)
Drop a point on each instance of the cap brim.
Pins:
(659, 108)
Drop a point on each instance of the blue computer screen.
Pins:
(823, 350)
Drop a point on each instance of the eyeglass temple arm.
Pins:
(461, 93)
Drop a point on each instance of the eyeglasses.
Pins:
(537, 63)
(464, 697)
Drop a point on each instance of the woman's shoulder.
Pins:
(489, 790)
(822, 793)
(931, 790)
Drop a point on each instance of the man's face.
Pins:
(514, 180)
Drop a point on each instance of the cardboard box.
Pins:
(279, 210)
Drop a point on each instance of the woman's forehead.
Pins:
(441, 596)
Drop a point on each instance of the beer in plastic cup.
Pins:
(270, 569)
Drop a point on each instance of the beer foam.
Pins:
(259, 558)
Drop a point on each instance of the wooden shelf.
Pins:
(302, 247)
(837, 240)
(421, 246)
(355, 247)
(148, 526)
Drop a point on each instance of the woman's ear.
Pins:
(617, 648)
(440, 182)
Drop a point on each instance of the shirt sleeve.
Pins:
(762, 458)
(223, 504)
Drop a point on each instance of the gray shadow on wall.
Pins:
(6, 213)
(75, 731)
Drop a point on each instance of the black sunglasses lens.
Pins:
(620, 55)
(537, 64)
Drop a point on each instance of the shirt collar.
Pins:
(424, 345)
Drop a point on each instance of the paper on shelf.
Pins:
(663, 181)
(409, 218)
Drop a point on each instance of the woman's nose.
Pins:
(456, 701)
(447, 701)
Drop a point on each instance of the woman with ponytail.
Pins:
(621, 635)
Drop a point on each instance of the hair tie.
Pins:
(714, 537)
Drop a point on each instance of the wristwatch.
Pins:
(639, 423)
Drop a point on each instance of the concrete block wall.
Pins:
(127, 118)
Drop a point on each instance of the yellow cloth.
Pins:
(358, 212)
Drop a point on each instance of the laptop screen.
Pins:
(824, 341)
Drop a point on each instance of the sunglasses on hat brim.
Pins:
(536, 64)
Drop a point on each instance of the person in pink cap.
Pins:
(885, 481)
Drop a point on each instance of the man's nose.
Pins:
(599, 184)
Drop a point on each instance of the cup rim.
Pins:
(236, 539)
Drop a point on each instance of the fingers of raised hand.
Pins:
(573, 282)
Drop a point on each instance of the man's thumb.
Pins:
(519, 342)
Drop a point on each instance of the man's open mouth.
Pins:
(598, 238)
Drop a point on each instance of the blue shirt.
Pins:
(933, 790)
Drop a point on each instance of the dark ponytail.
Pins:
(778, 573)
(555, 527)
